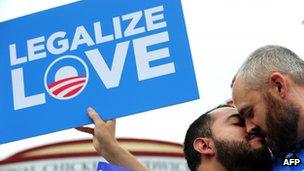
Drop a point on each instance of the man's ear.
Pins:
(278, 84)
(204, 146)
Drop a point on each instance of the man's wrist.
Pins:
(111, 150)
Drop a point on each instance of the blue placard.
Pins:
(103, 166)
(119, 57)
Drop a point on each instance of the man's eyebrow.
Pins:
(244, 112)
(232, 116)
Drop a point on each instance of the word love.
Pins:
(147, 21)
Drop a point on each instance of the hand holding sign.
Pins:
(104, 133)
(106, 144)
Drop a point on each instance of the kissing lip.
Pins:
(255, 136)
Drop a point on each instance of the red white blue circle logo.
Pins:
(66, 77)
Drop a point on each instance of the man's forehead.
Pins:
(240, 91)
(223, 113)
(239, 84)
(245, 98)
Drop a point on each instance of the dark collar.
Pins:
(297, 147)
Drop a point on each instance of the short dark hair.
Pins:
(201, 127)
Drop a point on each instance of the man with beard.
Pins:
(268, 91)
(216, 141)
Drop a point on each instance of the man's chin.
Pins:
(254, 152)
(257, 142)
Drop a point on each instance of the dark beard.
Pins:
(239, 156)
(282, 124)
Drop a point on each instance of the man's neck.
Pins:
(300, 103)
(301, 124)
(213, 165)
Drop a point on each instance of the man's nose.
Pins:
(250, 126)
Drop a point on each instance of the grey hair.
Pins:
(265, 60)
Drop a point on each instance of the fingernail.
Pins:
(90, 109)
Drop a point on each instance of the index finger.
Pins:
(94, 116)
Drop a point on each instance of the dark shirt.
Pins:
(287, 164)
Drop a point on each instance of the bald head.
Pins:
(265, 60)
